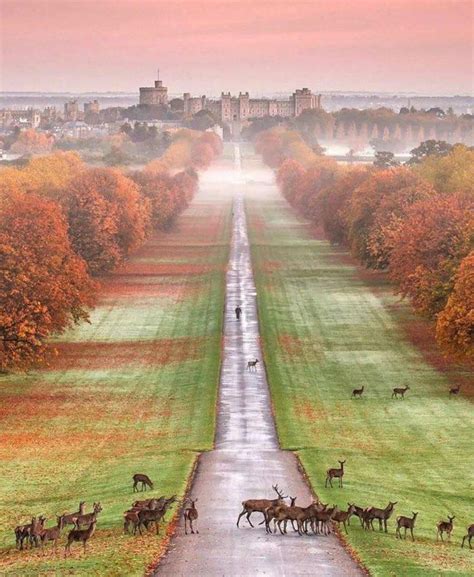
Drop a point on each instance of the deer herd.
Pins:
(320, 519)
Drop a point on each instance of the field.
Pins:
(133, 391)
(328, 327)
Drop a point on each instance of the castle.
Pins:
(229, 109)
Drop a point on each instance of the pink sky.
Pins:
(205, 46)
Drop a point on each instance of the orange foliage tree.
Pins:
(455, 324)
(32, 142)
(44, 285)
(432, 241)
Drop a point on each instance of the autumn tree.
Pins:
(455, 324)
(44, 285)
(429, 148)
(453, 172)
(32, 142)
(435, 237)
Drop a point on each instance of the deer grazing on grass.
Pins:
(468, 536)
(382, 515)
(344, 516)
(445, 527)
(454, 391)
(357, 393)
(252, 365)
(260, 505)
(399, 392)
(406, 523)
(51, 534)
(79, 535)
(87, 518)
(144, 480)
(68, 518)
(335, 474)
(190, 515)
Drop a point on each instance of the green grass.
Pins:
(326, 331)
(134, 391)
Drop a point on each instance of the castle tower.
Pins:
(156, 95)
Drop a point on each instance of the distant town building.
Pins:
(71, 111)
(154, 95)
(91, 107)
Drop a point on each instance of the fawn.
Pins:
(335, 473)
(406, 523)
(190, 515)
(445, 527)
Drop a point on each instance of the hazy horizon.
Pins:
(204, 46)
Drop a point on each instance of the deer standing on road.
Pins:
(406, 523)
(252, 365)
(453, 391)
(399, 392)
(382, 515)
(79, 535)
(357, 393)
(190, 515)
(144, 480)
(260, 505)
(468, 536)
(445, 527)
(335, 474)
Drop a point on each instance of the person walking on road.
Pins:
(238, 312)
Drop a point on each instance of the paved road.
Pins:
(246, 460)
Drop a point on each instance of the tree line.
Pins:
(415, 221)
(63, 224)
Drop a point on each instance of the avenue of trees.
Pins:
(414, 221)
(63, 223)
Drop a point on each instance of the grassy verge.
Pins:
(326, 330)
(134, 391)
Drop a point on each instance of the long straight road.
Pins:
(247, 460)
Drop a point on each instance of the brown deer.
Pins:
(406, 523)
(280, 513)
(252, 365)
(453, 391)
(445, 527)
(357, 393)
(382, 515)
(22, 533)
(259, 505)
(144, 480)
(344, 516)
(358, 512)
(149, 503)
(51, 534)
(87, 518)
(323, 519)
(68, 518)
(79, 535)
(149, 516)
(130, 517)
(468, 536)
(399, 392)
(190, 515)
(335, 474)
(36, 530)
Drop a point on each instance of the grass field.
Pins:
(134, 391)
(327, 328)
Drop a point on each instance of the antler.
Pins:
(279, 492)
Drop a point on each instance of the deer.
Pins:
(22, 532)
(358, 512)
(144, 480)
(344, 516)
(130, 517)
(445, 527)
(252, 365)
(147, 516)
(468, 536)
(280, 513)
(259, 505)
(149, 503)
(323, 519)
(87, 518)
(335, 473)
(190, 515)
(68, 518)
(453, 391)
(382, 515)
(406, 523)
(36, 530)
(357, 393)
(399, 392)
(51, 534)
(79, 535)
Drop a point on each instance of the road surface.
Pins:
(247, 460)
